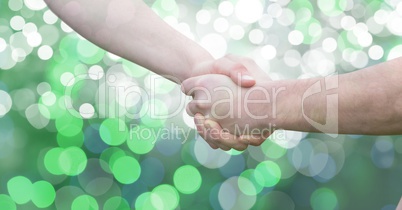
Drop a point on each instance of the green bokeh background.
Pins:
(103, 153)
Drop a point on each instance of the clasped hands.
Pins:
(230, 108)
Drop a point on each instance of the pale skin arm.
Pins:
(130, 29)
(369, 101)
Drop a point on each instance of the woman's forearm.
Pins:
(130, 29)
(368, 101)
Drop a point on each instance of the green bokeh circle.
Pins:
(141, 140)
(116, 203)
(43, 195)
(323, 198)
(255, 177)
(84, 202)
(7, 203)
(73, 161)
(168, 194)
(69, 125)
(187, 179)
(51, 161)
(113, 131)
(20, 189)
(144, 201)
(126, 170)
(271, 173)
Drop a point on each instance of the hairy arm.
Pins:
(368, 101)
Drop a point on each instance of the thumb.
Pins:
(240, 75)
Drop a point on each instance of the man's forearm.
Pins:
(368, 101)
(130, 29)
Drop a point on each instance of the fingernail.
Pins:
(247, 77)
(208, 124)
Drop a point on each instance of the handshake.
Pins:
(233, 110)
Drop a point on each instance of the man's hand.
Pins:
(231, 112)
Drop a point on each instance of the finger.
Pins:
(194, 107)
(189, 85)
(209, 137)
(220, 136)
(199, 120)
(250, 64)
(256, 140)
(236, 71)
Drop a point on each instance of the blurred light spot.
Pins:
(271, 173)
(72, 161)
(236, 32)
(221, 25)
(87, 111)
(124, 174)
(329, 45)
(266, 21)
(382, 152)
(395, 52)
(142, 139)
(292, 58)
(274, 10)
(17, 22)
(348, 22)
(323, 198)
(113, 131)
(15, 5)
(67, 79)
(35, 4)
(48, 98)
(37, 115)
(7, 203)
(34, 39)
(272, 150)
(231, 197)
(209, 157)
(256, 36)
(26, 97)
(65, 27)
(214, 44)
(332, 7)
(376, 52)
(20, 189)
(203, 16)
(45, 52)
(84, 202)
(5, 103)
(359, 59)
(295, 37)
(226, 8)
(381, 17)
(287, 139)
(69, 123)
(49, 17)
(94, 180)
(43, 194)
(96, 72)
(187, 179)
(29, 28)
(287, 17)
(249, 11)
(167, 194)
(116, 203)
(268, 52)
(256, 179)
(3, 44)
